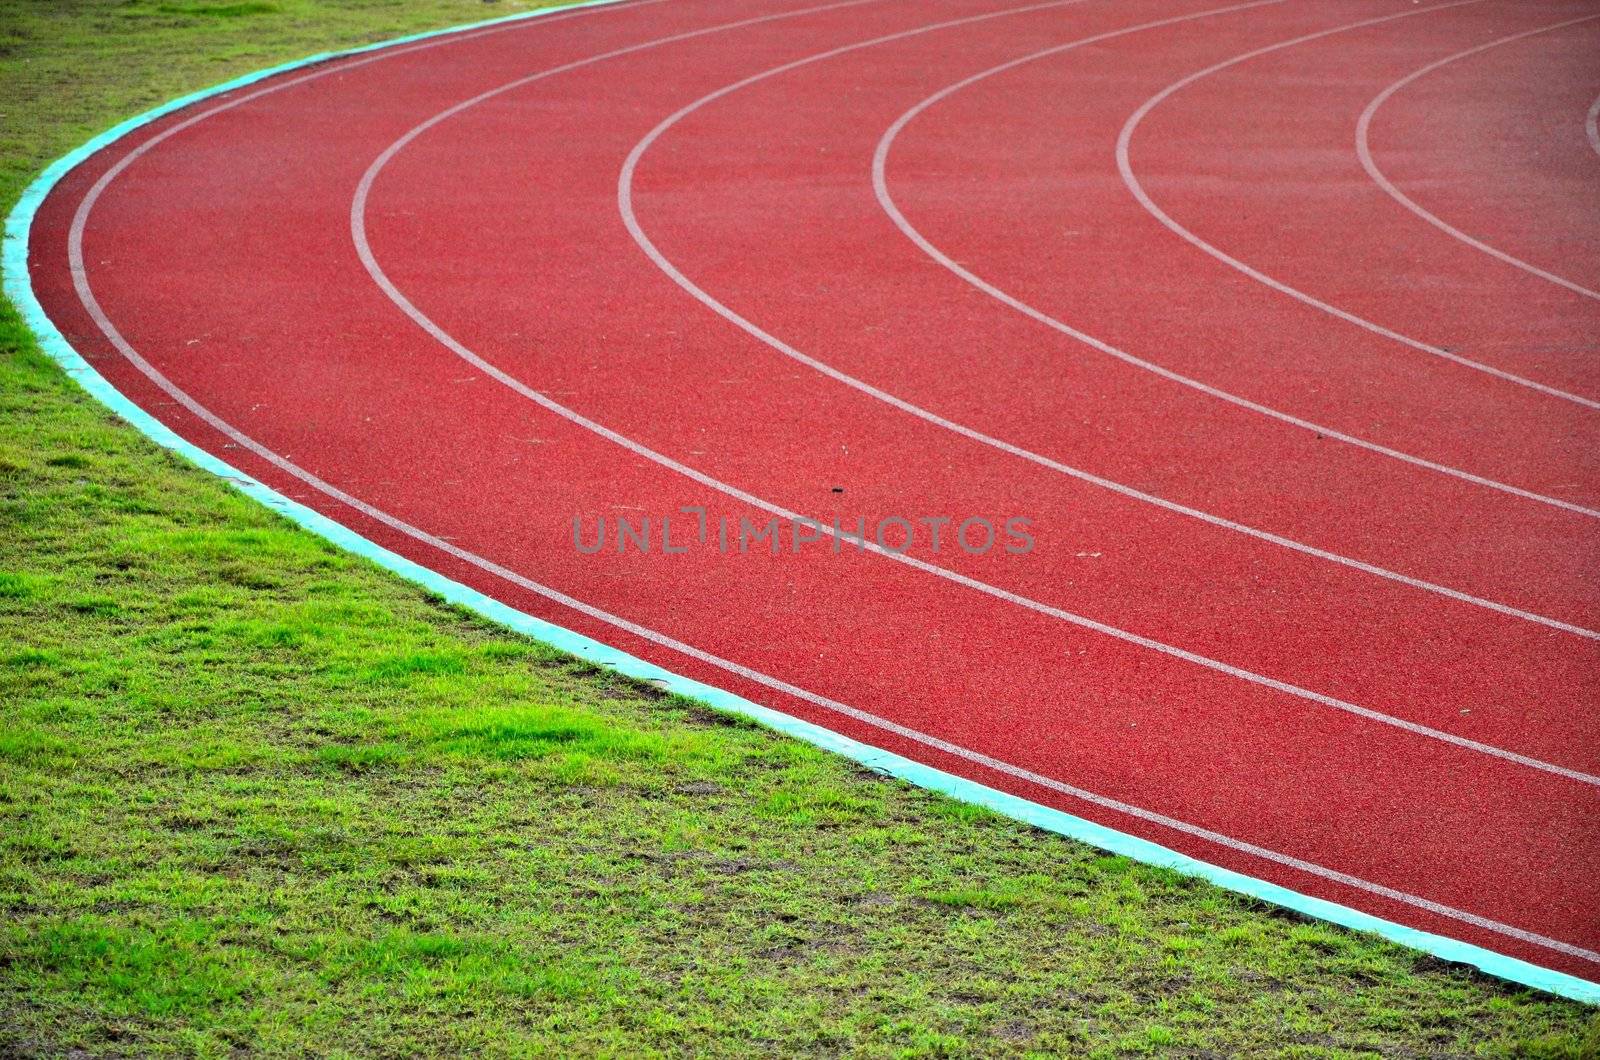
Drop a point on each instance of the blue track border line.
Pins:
(19, 288)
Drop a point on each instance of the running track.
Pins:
(1277, 319)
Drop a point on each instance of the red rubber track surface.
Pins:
(1462, 801)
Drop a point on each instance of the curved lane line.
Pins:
(1591, 125)
(1139, 193)
(1363, 149)
(358, 234)
(18, 285)
(625, 205)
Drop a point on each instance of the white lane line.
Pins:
(1132, 181)
(512, 577)
(625, 204)
(103, 322)
(1591, 125)
(887, 201)
(364, 251)
(1363, 149)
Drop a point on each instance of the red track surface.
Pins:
(1349, 654)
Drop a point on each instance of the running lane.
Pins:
(1242, 337)
(1481, 140)
(1481, 117)
(475, 350)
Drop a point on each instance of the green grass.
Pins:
(256, 795)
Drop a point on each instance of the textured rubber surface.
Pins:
(254, 270)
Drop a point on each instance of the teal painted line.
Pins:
(19, 288)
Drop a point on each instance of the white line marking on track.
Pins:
(1363, 149)
(911, 233)
(625, 204)
(103, 322)
(364, 251)
(1591, 125)
(1132, 181)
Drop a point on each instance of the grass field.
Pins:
(256, 795)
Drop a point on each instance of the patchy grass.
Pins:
(257, 795)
